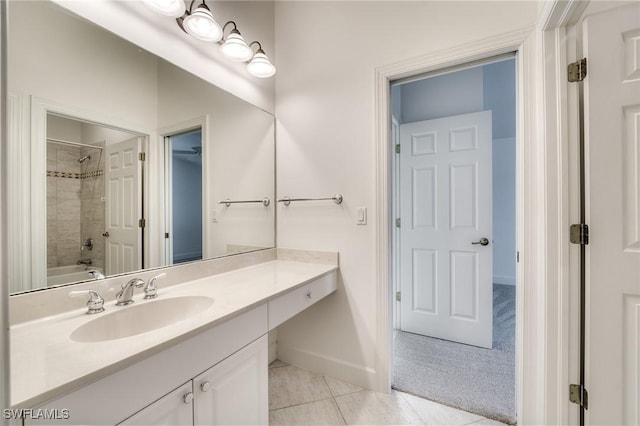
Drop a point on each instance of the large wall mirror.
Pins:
(124, 161)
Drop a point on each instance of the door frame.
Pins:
(163, 189)
(545, 327)
(36, 187)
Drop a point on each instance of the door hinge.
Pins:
(142, 156)
(166, 235)
(398, 223)
(578, 395)
(397, 296)
(517, 257)
(579, 234)
(577, 71)
(397, 148)
(142, 223)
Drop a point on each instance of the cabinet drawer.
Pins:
(288, 305)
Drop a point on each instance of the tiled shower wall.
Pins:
(63, 205)
(73, 194)
(92, 209)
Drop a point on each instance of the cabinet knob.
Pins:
(205, 386)
(187, 398)
(309, 294)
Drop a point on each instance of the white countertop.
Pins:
(46, 363)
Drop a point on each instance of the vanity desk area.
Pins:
(209, 365)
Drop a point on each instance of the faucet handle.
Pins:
(151, 290)
(95, 304)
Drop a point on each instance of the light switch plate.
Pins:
(361, 216)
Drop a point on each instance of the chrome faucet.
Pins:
(125, 295)
(96, 274)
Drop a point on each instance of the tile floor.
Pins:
(298, 397)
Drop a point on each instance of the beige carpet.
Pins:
(473, 379)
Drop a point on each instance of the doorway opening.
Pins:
(454, 236)
(183, 156)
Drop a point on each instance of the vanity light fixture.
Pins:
(260, 66)
(200, 23)
(173, 8)
(234, 46)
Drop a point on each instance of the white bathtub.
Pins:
(70, 274)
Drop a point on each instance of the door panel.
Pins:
(612, 123)
(124, 207)
(446, 204)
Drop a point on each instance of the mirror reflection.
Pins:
(77, 202)
(123, 157)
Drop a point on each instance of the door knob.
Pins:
(483, 242)
(105, 234)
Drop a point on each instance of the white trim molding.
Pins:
(531, 224)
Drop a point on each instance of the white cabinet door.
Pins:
(235, 391)
(175, 408)
(446, 209)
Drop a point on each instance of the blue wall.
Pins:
(187, 198)
(488, 87)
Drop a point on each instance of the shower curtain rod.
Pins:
(74, 143)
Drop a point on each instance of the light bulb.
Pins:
(173, 8)
(260, 66)
(201, 25)
(235, 48)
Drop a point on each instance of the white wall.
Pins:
(59, 58)
(161, 36)
(327, 54)
(238, 155)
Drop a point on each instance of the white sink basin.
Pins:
(140, 318)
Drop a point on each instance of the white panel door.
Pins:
(123, 207)
(612, 117)
(235, 391)
(173, 409)
(446, 206)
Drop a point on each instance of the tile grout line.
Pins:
(302, 403)
(333, 397)
(400, 394)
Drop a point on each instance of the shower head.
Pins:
(83, 159)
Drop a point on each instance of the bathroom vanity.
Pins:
(197, 354)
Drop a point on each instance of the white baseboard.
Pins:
(503, 279)
(329, 366)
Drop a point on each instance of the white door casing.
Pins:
(123, 207)
(611, 43)
(446, 205)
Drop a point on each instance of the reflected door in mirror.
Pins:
(124, 207)
(183, 153)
